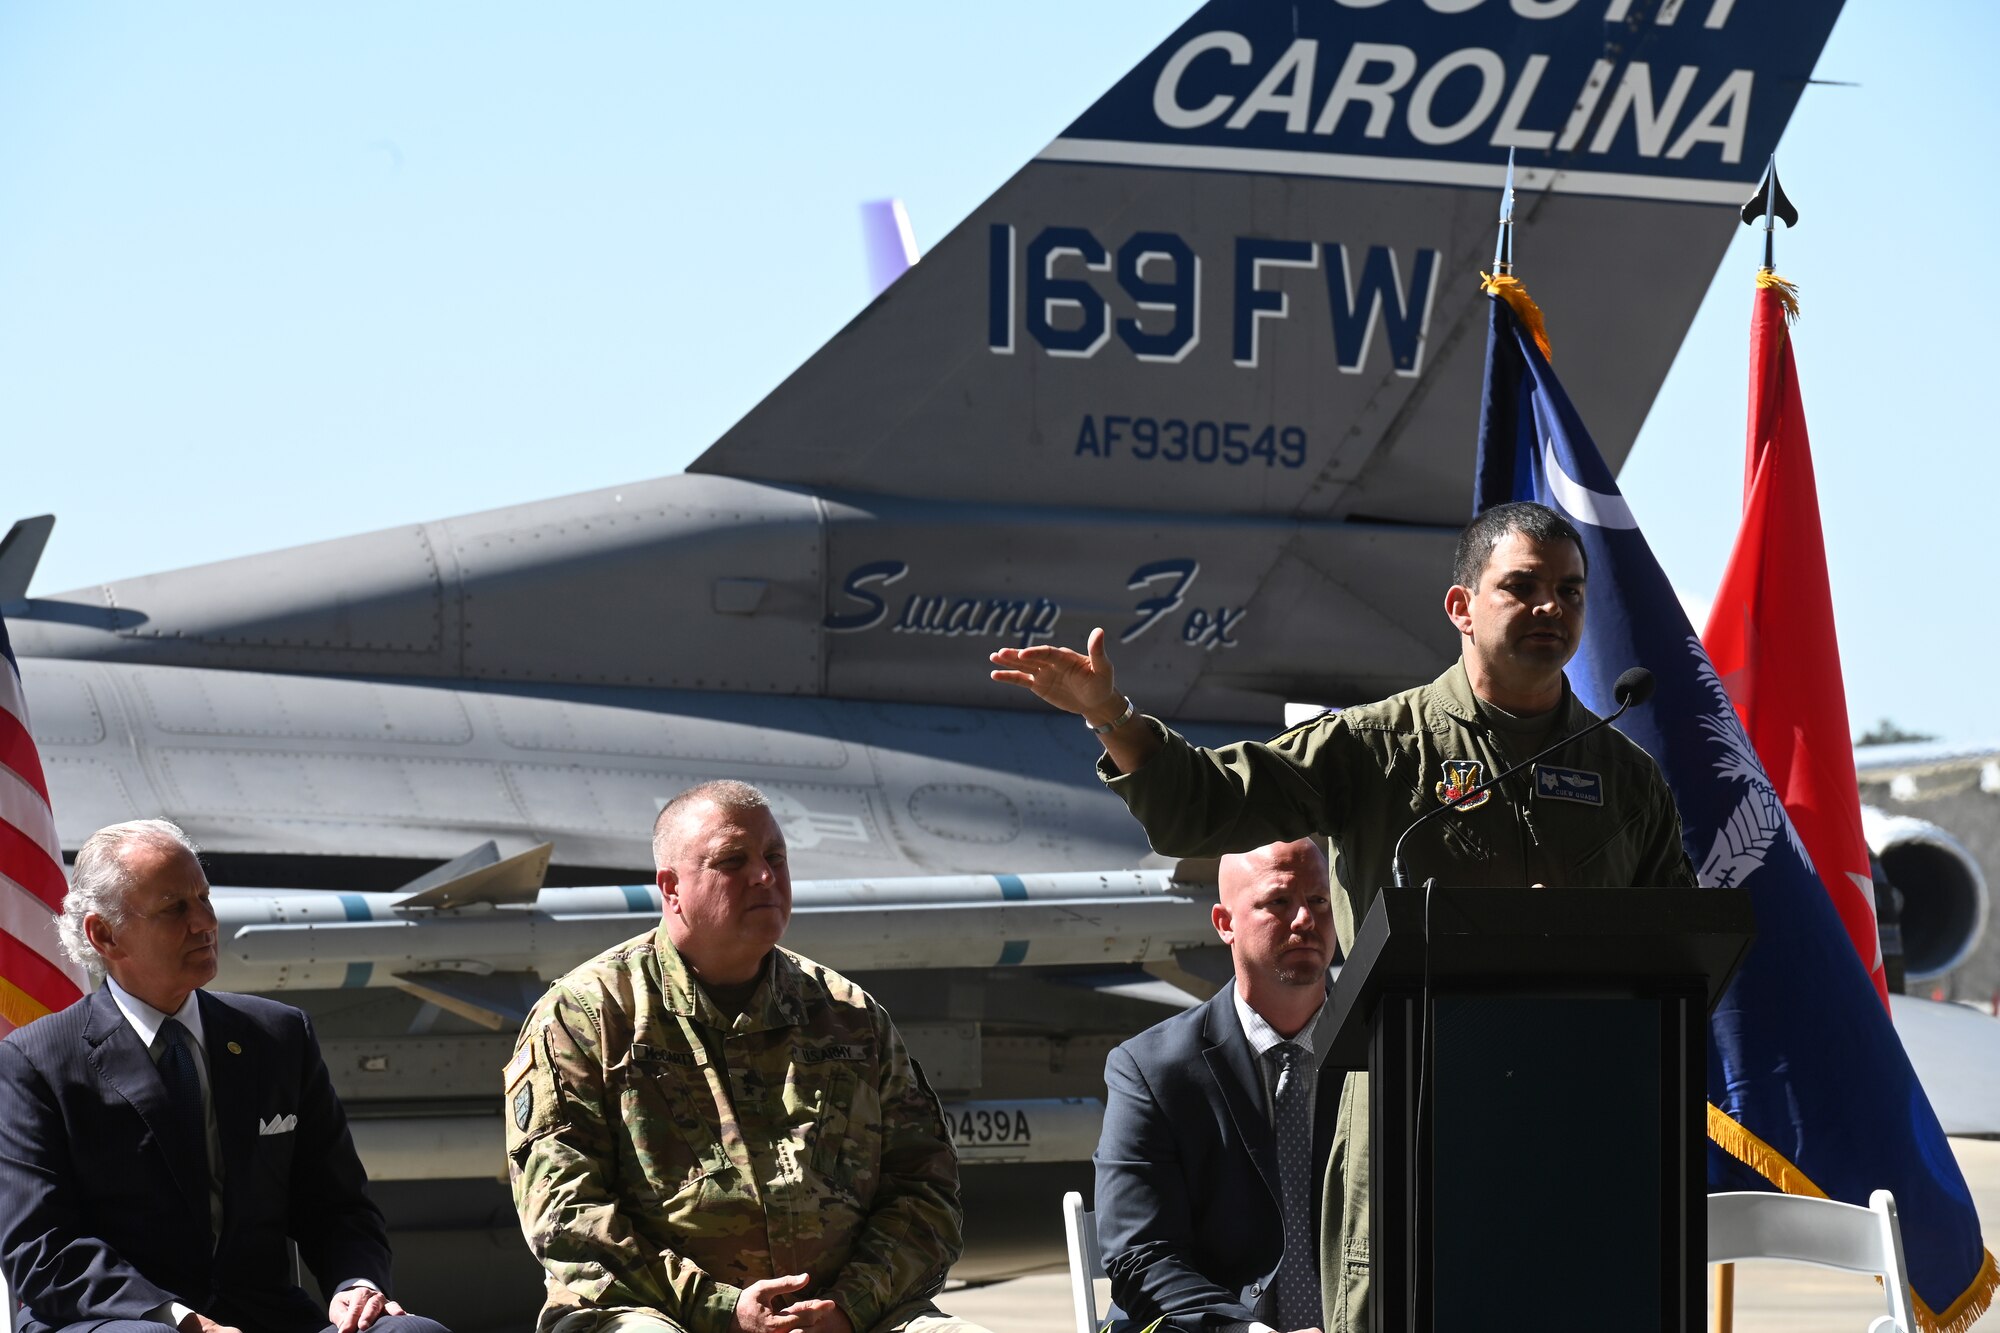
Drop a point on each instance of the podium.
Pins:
(1537, 1102)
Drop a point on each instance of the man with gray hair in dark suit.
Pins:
(160, 1143)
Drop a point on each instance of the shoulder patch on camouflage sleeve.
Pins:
(524, 1059)
(530, 1097)
(524, 1106)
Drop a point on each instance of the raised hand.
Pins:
(1085, 684)
(1082, 683)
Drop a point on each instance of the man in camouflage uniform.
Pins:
(708, 1134)
(1596, 813)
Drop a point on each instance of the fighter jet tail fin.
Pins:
(891, 245)
(20, 551)
(1245, 279)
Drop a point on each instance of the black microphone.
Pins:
(1633, 687)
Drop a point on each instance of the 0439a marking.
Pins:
(985, 1128)
(1172, 440)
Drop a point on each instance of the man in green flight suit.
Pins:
(707, 1133)
(1596, 813)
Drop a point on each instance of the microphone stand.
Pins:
(1628, 697)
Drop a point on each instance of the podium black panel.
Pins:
(1537, 1100)
(1536, 1097)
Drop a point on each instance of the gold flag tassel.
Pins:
(1509, 289)
(1787, 290)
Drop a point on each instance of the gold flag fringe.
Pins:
(1509, 289)
(1771, 1164)
(1962, 1313)
(1787, 290)
(18, 1007)
(1758, 1155)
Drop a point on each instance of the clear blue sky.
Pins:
(270, 274)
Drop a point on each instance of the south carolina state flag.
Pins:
(1809, 1089)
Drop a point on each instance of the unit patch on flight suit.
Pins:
(1461, 776)
(1569, 784)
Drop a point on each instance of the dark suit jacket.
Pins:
(98, 1221)
(1187, 1171)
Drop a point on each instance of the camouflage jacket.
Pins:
(648, 1177)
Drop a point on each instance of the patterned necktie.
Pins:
(1298, 1271)
(190, 1116)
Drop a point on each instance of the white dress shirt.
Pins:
(1313, 1039)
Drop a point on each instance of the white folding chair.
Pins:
(1818, 1231)
(1086, 1261)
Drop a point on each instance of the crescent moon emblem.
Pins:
(1585, 505)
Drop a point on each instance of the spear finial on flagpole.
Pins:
(1770, 206)
(1503, 246)
(1502, 283)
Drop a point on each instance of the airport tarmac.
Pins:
(1770, 1298)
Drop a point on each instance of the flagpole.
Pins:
(1722, 1280)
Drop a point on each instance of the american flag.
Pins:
(35, 977)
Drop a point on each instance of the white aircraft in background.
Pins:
(1931, 813)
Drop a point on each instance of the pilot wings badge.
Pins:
(1460, 777)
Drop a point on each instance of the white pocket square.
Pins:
(278, 1124)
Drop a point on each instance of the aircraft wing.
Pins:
(1956, 1053)
(312, 940)
(1912, 768)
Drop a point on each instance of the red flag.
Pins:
(1770, 633)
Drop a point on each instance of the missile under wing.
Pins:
(1205, 372)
